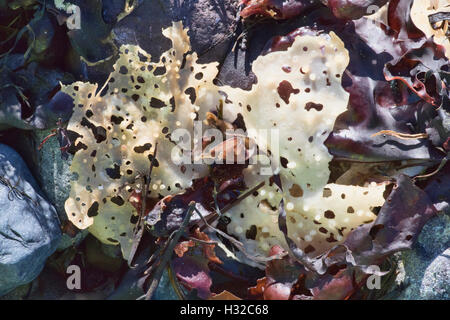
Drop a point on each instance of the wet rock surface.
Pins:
(29, 225)
(53, 171)
(427, 265)
(211, 25)
(436, 279)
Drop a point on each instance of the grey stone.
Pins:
(436, 279)
(29, 225)
(67, 241)
(54, 176)
(53, 172)
(426, 265)
(435, 235)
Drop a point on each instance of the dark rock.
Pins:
(29, 226)
(102, 256)
(249, 43)
(131, 284)
(19, 293)
(211, 24)
(54, 176)
(30, 97)
(52, 285)
(111, 9)
(93, 30)
(44, 32)
(236, 70)
(53, 172)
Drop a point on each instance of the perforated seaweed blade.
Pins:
(420, 13)
(290, 111)
(141, 106)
